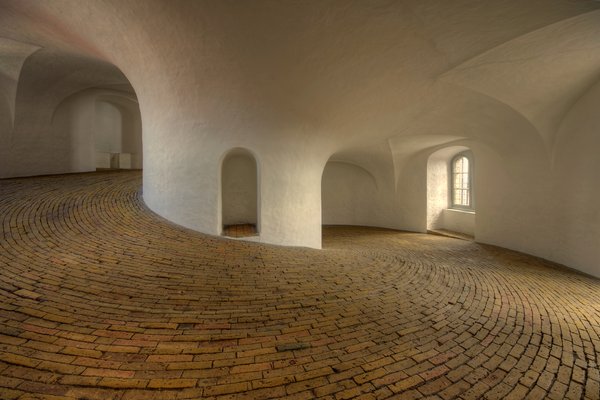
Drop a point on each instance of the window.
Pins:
(461, 188)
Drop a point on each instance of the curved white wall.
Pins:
(349, 195)
(576, 186)
(74, 120)
(188, 192)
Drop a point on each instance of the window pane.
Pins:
(461, 188)
(457, 181)
(458, 167)
(457, 197)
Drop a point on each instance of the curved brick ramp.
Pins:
(101, 299)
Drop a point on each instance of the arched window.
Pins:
(451, 198)
(461, 168)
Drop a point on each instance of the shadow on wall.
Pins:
(5, 116)
(348, 194)
(441, 214)
(240, 194)
(118, 134)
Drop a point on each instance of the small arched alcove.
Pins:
(450, 191)
(239, 194)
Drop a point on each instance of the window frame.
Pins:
(471, 207)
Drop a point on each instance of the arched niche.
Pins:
(99, 128)
(239, 194)
(440, 213)
(348, 194)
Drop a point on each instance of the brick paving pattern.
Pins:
(241, 230)
(101, 299)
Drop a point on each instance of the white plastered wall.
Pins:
(74, 120)
(459, 221)
(576, 186)
(289, 184)
(349, 195)
(108, 124)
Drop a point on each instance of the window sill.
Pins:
(459, 210)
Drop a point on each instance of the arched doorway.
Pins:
(102, 129)
(239, 194)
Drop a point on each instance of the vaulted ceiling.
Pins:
(355, 71)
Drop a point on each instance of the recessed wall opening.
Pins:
(450, 192)
(239, 194)
(103, 128)
(117, 133)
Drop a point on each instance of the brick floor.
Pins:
(241, 230)
(101, 299)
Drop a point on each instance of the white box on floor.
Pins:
(103, 160)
